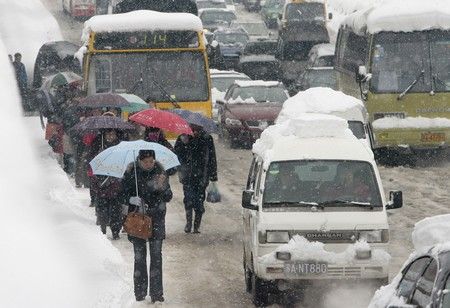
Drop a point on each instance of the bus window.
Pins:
(102, 69)
(440, 61)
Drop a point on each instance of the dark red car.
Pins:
(248, 108)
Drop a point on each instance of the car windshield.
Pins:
(322, 78)
(223, 83)
(152, 76)
(211, 5)
(217, 17)
(232, 38)
(260, 94)
(254, 29)
(260, 48)
(305, 12)
(322, 182)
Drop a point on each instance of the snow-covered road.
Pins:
(206, 270)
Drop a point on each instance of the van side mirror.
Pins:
(247, 196)
(361, 74)
(330, 16)
(395, 200)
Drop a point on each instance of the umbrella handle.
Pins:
(135, 173)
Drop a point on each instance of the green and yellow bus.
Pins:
(160, 57)
(399, 63)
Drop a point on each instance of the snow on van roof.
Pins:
(325, 101)
(431, 231)
(397, 16)
(140, 21)
(324, 50)
(306, 126)
(256, 83)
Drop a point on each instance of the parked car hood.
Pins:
(257, 111)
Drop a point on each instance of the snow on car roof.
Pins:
(257, 83)
(323, 100)
(324, 50)
(140, 21)
(396, 16)
(431, 231)
(310, 136)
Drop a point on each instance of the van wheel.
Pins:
(260, 291)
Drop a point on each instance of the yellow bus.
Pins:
(398, 61)
(160, 57)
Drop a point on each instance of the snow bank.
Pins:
(256, 83)
(411, 122)
(141, 21)
(322, 100)
(306, 125)
(24, 27)
(431, 231)
(394, 15)
(302, 249)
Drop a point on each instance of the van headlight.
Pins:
(277, 236)
(232, 122)
(374, 236)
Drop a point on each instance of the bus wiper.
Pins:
(413, 83)
(135, 85)
(163, 91)
(360, 204)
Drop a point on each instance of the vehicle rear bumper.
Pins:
(243, 134)
(410, 140)
(83, 10)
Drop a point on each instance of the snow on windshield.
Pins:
(322, 100)
(141, 21)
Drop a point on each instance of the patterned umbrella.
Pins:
(103, 100)
(196, 118)
(94, 124)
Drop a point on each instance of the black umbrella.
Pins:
(103, 100)
(94, 124)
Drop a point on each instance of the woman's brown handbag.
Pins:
(138, 225)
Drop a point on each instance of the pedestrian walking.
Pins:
(154, 134)
(147, 179)
(21, 76)
(197, 157)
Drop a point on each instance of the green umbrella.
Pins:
(61, 79)
(135, 103)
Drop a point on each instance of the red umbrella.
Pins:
(163, 120)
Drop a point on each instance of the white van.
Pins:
(314, 209)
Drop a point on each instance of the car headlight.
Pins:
(283, 255)
(277, 236)
(374, 236)
(233, 122)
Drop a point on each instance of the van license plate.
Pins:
(433, 137)
(305, 268)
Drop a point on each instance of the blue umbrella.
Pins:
(196, 118)
(114, 160)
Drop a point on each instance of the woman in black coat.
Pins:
(153, 191)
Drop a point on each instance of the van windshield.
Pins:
(327, 183)
(398, 59)
(305, 12)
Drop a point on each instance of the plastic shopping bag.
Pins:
(212, 193)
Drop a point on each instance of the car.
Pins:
(254, 29)
(297, 233)
(220, 82)
(230, 45)
(252, 5)
(321, 55)
(248, 108)
(258, 60)
(211, 4)
(213, 19)
(271, 11)
(315, 77)
(424, 280)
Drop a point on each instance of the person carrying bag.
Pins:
(146, 190)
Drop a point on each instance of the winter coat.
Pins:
(198, 160)
(154, 197)
(106, 187)
(161, 140)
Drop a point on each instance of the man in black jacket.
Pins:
(153, 193)
(197, 156)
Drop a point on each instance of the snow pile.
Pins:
(387, 295)
(52, 255)
(302, 249)
(346, 7)
(239, 100)
(256, 83)
(411, 122)
(306, 125)
(143, 20)
(431, 231)
(323, 100)
(394, 15)
(24, 27)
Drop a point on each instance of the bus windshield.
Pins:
(305, 12)
(321, 182)
(400, 59)
(152, 76)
